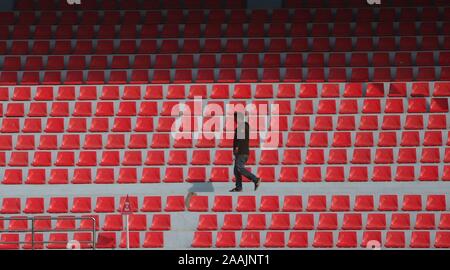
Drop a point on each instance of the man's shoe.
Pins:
(236, 190)
(257, 182)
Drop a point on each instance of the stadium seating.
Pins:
(357, 96)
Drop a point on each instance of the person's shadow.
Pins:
(198, 187)
(202, 187)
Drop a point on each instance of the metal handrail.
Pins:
(33, 231)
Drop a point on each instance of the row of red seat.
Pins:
(176, 174)
(172, 46)
(162, 61)
(185, 137)
(110, 222)
(224, 203)
(224, 157)
(252, 30)
(222, 91)
(297, 239)
(196, 4)
(357, 3)
(160, 222)
(302, 107)
(160, 139)
(325, 221)
(339, 139)
(346, 239)
(192, 16)
(60, 240)
(129, 4)
(221, 174)
(158, 76)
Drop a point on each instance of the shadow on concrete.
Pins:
(202, 187)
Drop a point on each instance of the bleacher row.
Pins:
(132, 4)
(357, 224)
(232, 30)
(184, 92)
(320, 45)
(197, 4)
(230, 75)
(359, 135)
(226, 203)
(373, 239)
(81, 62)
(369, 127)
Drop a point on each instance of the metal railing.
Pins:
(33, 231)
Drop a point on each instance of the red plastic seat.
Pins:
(106, 240)
(202, 240)
(246, 204)
(37, 242)
(340, 203)
(347, 239)
(58, 241)
(151, 204)
(198, 204)
(444, 223)
(280, 222)
(161, 222)
(18, 223)
(352, 221)
(175, 203)
(395, 239)
(65, 223)
(256, 222)
(207, 222)
(316, 203)
(327, 221)
(436, 203)
(232, 222)
(274, 240)
(11, 206)
(113, 222)
(364, 203)
(400, 221)
(429, 173)
(376, 222)
(292, 203)
(34, 206)
(226, 240)
(420, 239)
(104, 176)
(371, 239)
(439, 105)
(323, 240)
(250, 240)
(269, 204)
(35, 176)
(105, 205)
(442, 239)
(58, 205)
(12, 177)
(358, 174)
(412, 203)
(298, 240)
(81, 205)
(154, 240)
(388, 203)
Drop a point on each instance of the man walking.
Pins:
(241, 152)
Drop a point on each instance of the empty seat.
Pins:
(202, 240)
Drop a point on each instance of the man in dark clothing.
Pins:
(241, 152)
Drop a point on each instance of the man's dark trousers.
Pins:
(239, 170)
